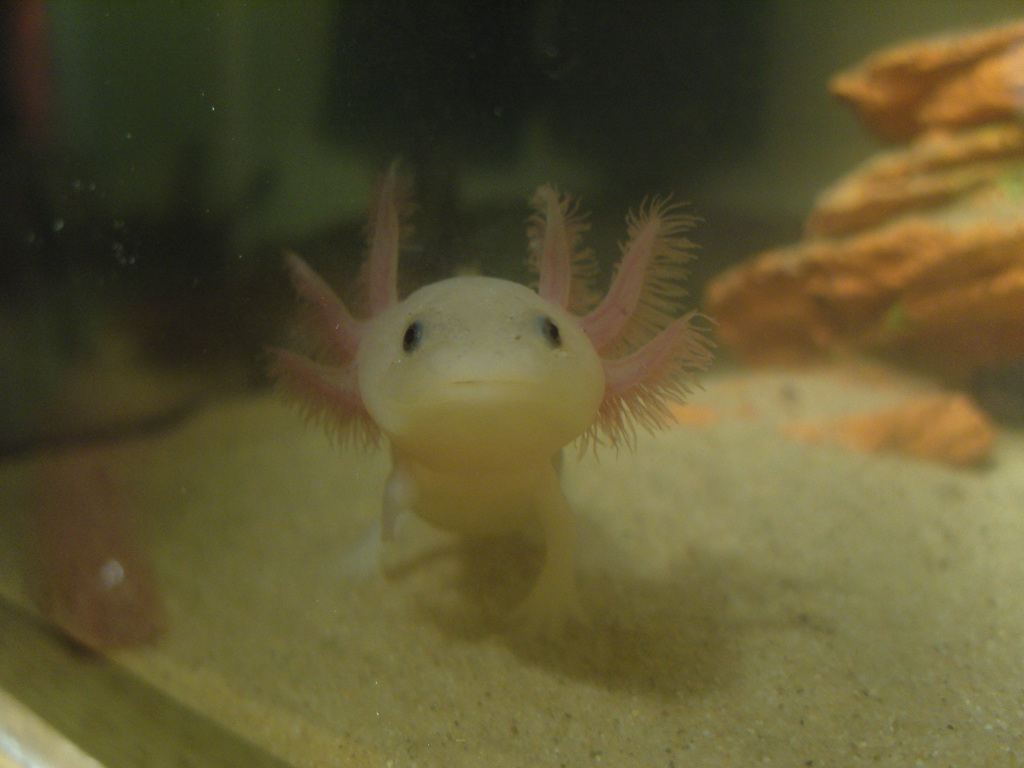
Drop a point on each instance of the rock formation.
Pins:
(919, 252)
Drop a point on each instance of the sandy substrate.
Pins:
(752, 600)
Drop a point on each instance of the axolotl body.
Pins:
(478, 383)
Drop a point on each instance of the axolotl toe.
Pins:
(478, 383)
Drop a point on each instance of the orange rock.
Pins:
(942, 82)
(949, 293)
(694, 415)
(989, 91)
(926, 174)
(944, 428)
(919, 252)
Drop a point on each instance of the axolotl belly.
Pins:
(478, 383)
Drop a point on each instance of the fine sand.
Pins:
(752, 600)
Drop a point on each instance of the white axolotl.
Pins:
(478, 383)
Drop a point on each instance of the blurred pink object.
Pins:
(96, 583)
(29, 61)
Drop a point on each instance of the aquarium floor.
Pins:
(752, 600)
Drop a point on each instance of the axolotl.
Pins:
(478, 383)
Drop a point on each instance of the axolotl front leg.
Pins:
(553, 599)
(494, 503)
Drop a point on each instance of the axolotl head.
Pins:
(487, 371)
(479, 370)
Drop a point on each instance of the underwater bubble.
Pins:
(111, 574)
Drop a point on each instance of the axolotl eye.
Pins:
(413, 336)
(550, 331)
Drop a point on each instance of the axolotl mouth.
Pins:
(498, 386)
(473, 392)
(482, 422)
(477, 403)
